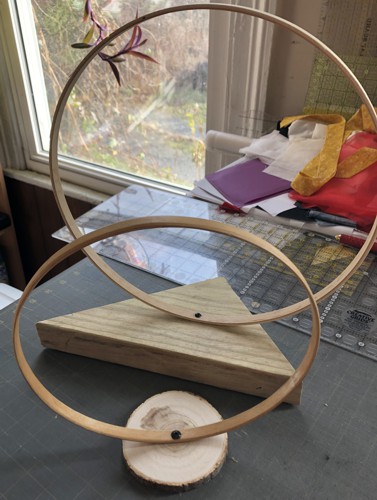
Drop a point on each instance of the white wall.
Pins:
(291, 59)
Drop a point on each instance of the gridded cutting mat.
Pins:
(188, 255)
(350, 29)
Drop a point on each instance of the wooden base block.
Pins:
(175, 467)
(240, 358)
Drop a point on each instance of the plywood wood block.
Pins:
(239, 358)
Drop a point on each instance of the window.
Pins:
(152, 127)
(228, 74)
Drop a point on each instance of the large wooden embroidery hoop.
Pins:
(82, 242)
(59, 192)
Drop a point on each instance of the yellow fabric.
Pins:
(360, 160)
(324, 166)
(361, 120)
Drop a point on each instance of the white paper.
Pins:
(306, 139)
(267, 148)
(277, 204)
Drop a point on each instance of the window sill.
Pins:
(43, 181)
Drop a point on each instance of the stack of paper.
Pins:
(242, 185)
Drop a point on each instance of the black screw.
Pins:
(176, 435)
(198, 315)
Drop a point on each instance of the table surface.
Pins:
(325, 448)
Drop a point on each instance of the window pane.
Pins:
(153, 124)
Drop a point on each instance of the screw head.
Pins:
(176, 435)
(198, 315)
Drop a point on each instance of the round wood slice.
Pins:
(175, 466)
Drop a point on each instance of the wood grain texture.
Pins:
(240, 358)
(178, 467)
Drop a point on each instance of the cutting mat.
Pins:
(349, 28)
(187, 256)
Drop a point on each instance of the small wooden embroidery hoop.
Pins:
(62, 202)
(165, 436)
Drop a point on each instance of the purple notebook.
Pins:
(246, 183)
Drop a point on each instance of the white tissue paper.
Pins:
(305, 140)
